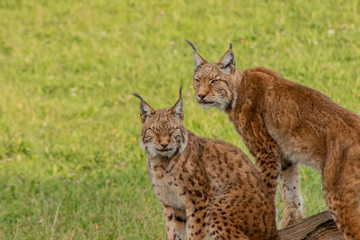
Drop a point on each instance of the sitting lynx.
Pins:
(207, 185)
(284, 122)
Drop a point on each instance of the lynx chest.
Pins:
(166, 185)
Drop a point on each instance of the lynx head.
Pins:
(163, 133)
(214, 83)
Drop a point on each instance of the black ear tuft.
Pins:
(190, 43)
(230, 46)
(146, 111)
(198, 59)
(180, 92)
(137, 95)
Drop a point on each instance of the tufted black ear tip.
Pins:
(137, 95)
(190, 43)
(180, 92)
(230, 46)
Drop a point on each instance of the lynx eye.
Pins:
(148, 138)
(214, 81)
(172, 130)
(196, 80)
(152, 131)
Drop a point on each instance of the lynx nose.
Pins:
(202, 96)
(164, 145)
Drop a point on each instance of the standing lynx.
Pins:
(206, 187)
(284, 122)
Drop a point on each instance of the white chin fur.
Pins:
(167, 154)
(218, 105)
(151, 150)
(206, 106)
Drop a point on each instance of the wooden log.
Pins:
(317, 227)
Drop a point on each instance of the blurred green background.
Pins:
(69, 128)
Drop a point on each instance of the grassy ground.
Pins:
(69, 128)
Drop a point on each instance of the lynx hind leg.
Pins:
(221, 227)
(175, 223)
(345, 207)
(342, 193)
(238, 215)
(291, 193)
(216, 234)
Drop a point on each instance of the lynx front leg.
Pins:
(269, 168)
(291, 194)
(265, 151)
(175, 223)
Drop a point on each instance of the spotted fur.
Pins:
(282, 124)
(207, 187)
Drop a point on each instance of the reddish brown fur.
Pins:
(208, 185)
(284, 122)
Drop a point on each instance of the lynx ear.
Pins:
(199, 61)
(177, 109)
(227, 62)
(146, 111)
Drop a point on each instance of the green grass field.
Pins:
(69, 128)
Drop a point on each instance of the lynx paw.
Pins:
(290, 217)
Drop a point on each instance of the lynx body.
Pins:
(282, 124)
(207, 187)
